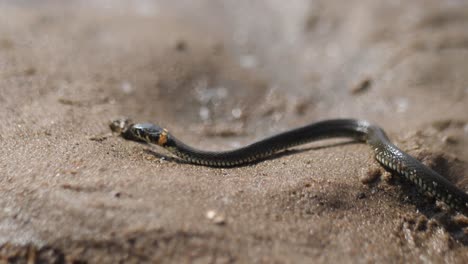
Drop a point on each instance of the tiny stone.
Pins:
(361, 86)
(361, 195)
(181, 45)
(441, 205)
(204, 113)
(236, 113)
(126, 87)
(441, 125)
(219, 220)
(450, 139)
(248, 61)
(215, 217)
(461, 220)
(465, 231)
(369, 175)
(300, 108)
(402, 104)
(30, 71)
(98, 138)
(387, 176)
(210, 214)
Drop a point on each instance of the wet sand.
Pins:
(218, 76)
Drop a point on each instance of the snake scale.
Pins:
(386, 153)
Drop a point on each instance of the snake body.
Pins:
(386, 153)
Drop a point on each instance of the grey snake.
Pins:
(386, 153)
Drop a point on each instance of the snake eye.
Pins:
(138, 132)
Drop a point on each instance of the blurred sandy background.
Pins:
(221, 74)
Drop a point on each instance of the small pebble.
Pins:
(248, 61)
(441, 124)
(181, 45)
(362, 86)
(126, 87)
(450, 139)
(204, 113)
(236, 113)
(98, 138)
(461, 220)
(219, 220)
(30, 71)
(215, 217)
(402, 104)
(387, 176)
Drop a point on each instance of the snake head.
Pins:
(149, 133)
(121, 125)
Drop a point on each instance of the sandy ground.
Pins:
(220, 74)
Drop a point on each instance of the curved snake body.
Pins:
(386, 153)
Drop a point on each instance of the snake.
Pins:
(392, 158)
